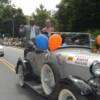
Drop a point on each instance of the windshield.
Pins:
(75, 39)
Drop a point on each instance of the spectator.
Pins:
(21, 30)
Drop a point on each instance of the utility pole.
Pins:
(13, 27)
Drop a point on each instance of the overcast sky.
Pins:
(29, 6)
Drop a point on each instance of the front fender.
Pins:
(20, 61)
(82, 86)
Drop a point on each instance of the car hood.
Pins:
(79, 56)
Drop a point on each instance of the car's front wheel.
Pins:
(66, 94)
(20, 75)
(49, 77)
(69, 92)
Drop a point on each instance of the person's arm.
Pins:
(38, 30)
(52, 29)
(43, 30)
(22, 31)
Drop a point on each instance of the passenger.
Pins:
(30, 32)
(63, 40)
(48, 28)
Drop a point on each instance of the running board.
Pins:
(35, 86)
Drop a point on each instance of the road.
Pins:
(9, 88)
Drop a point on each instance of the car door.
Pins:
(32, 58)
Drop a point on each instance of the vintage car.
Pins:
(71, 72)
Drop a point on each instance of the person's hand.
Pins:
(44, 30)
(31, 44)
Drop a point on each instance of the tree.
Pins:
(41, 15)
(10, 18)
(80, 15)
(62, 16)
(4, 1)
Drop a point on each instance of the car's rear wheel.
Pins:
(47, 79)
(20, 75)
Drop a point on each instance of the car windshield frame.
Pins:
(77, 34)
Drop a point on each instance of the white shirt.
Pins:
(32, 35)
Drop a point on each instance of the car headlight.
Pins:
(95, 69)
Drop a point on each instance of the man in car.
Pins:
(30, 32)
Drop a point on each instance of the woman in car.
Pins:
(48, 28)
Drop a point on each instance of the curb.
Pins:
(15, 47)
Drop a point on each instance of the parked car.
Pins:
(1, 50)
(71, 72)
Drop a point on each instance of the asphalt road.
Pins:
(12, 54)
(9, 88)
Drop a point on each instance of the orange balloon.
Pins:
(98, 39)
(55, 41)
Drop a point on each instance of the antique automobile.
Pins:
(69, 72)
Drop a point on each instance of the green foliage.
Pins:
(41, 15)
(94, 33)
(4, 1)
(10, 16)
(80, 15)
